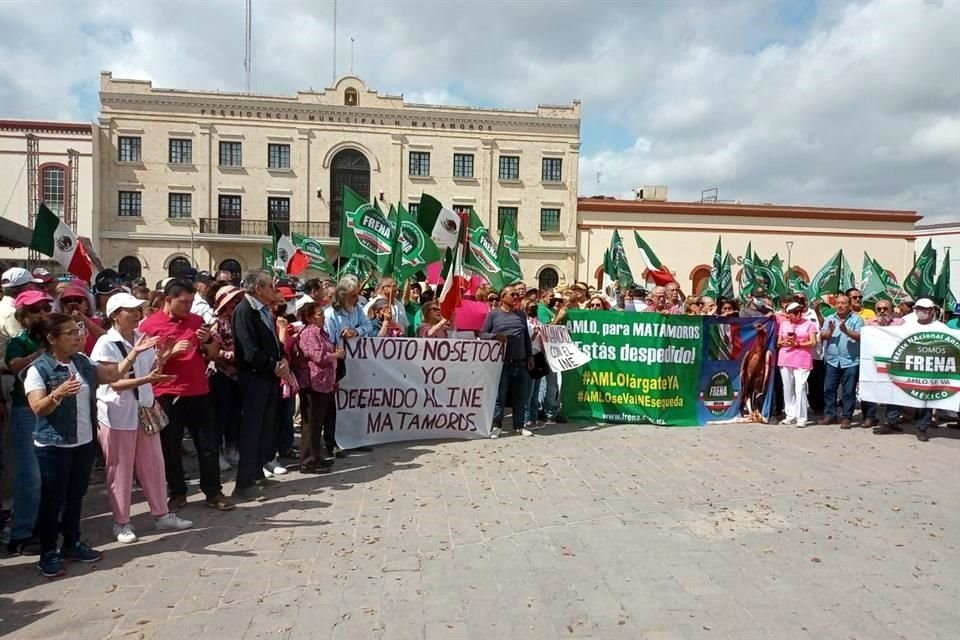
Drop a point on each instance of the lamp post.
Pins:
(789, 252)
(193, 258)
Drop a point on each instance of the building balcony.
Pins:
(262, 228)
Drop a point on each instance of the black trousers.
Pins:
(64, 476)
(318, 413)
(815, 387)
(195, 414)
(258, 419)
(226, 400)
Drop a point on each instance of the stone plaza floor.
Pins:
(730, 532)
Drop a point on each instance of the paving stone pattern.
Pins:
(728, 532)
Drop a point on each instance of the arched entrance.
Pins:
(350, 168)
(233, 267)
(179, 267)
(548, 278)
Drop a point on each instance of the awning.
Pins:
(14, 235)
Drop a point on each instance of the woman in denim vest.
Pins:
(61, 388)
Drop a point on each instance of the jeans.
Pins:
(923, 418)
(844, 381)
(26, 492)
(515, 384)
(193, 413)
(64, 476)
(226, 400)
(532, 404)
(550, 395)
(892, 414)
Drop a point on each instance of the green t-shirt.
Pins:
(20, 346)
(545, 314)
(953, 323)
(413, 311)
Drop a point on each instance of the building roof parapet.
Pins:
(46, 126)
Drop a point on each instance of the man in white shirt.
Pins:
(200, 305)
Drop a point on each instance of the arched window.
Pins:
(53, 187)
(178, 267)
(233, 267)
(351, 168)
(801, 272)
(699, 277)
(129, 268)
(351, 98)
(548, 278)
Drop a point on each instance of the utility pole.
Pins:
(248, 44)
(352, 40)
(334, 43)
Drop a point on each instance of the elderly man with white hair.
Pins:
(344, 317)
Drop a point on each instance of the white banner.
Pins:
(562, 354)
(911, 366)
(417, 389)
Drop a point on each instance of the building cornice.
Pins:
(47, 126)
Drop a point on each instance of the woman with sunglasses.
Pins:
(434, 324)
(596, 303)
(796, 339)
(32, 308)
(60, 386)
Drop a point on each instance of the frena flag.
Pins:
(53, 238)
(289, 258)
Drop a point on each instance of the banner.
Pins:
(558, 347)
(910, 366)
(417, 389)
(670, 369)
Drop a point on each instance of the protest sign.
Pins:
(417, 389)
(910, 365)
(561, 352)
(669, 369)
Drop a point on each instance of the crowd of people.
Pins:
(116, 375)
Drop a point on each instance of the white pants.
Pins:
(795, 393)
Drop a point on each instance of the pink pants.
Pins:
(125, 451)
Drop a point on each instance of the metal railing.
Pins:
(223, 226)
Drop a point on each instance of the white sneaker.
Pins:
(124, 533)
(274, 468)
(232, 456)
(171, 522)
(789, 421)
(224, 465)
(526, 432)
(495, 433)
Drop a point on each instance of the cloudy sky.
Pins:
(796, 102)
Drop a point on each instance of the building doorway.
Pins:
(350, 168)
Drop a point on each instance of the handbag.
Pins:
(152, 419)
(540, 366)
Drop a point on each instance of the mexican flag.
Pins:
(441, 223)
(508, 251)
(314, 252)
(920, 282)
(366, 234)
(618, 261)
(53, 238)
(658, 271)
(288, 258)
(451, 296)
(609, 291)
(480, 254)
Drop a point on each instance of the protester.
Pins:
(545, 310)
(691, 306)
(344, 319)
(381, 317)
(796, 340)
(201, 307)
(126, 446)
(75, 302)
(758, 305)
(287, 400)
(856, 304)
(510, 327)
(14, 282)
(884, 318)
(225, 277)
(707, 306)
(187, 344)
(107, 284)
(905, 309)
(434, 324)
(728, 308)
(60, 387)
(48, 283)
(32, 307)
(493, 300)
(223, 381)
(532, 421)
(316, 369)
(387, 290)
(841, 338)
(596, 303)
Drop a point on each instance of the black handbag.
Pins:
(540, 366)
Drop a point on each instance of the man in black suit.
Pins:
(260, 365)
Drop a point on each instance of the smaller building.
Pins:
(684, 235)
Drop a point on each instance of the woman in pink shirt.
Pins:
(796, 339)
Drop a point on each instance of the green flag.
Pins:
(726, 277)
(366, 234)
(747, 275)
(314, 251)
(358, 267)
(873, 282)
(765, 275)
(266, 258)
(712, 289)
(920, 282)
(414, 249)
(778, 284)
(508, 251)
(618, 258)
(895, 292)
(480, 256)
(941, 289)
(847, 279)
(827, 280)
(796, 283)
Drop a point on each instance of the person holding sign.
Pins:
(796, 340)
(509, 326)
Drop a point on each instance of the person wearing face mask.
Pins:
(884, 318)
(532, 421)
(841, 338)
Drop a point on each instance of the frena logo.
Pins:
(718, 396)
(371, 229)
(312, 247)
(64, 243)
(925, 366)
(482, 248)
(412, 241)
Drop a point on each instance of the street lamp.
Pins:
(789, 252)
(193, 258)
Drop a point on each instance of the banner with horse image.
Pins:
(670, 370)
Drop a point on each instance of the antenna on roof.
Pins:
(352, 40)
(248, 44)
(710, 195)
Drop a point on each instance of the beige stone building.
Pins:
(684, 235)
(194, 178)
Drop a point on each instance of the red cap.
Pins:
(74, 292)
(28, 298)
(287, 293)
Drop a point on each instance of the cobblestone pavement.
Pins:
(634, 532)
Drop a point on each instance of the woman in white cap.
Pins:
(126, 445)
(796, 338)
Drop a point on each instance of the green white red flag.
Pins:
(288, 259)
(53, 238)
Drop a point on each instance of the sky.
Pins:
(809, 102)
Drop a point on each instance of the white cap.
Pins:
(301, 302)
(123, 300)
(794, 306)
(924, 303)
(17, 277)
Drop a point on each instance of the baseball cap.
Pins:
(108, 274)
(123, 300)
(301, 302)
(28, 298)
(924, 303)
(73, 292)
(42, 274)
(17, 277)
(205, 277)
(105, 286)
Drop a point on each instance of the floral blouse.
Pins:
(226, 362)
(315, 366)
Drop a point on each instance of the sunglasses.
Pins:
(596, 305)
(493, 299)
(72, 300)
(856, 297)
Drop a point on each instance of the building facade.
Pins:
(195, 178)
(49, 162)
(684, 236)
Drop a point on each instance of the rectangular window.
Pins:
(413, 208)
(180, 205)
(463, 165)
(129, 203)
(552, 169)
(506, 212)
(550, 220)
(181, 151)
(129, 148)
(278, 210)
(278, 156)
(420, 163)
(231, 154)
(229, 213)
(509, 167)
